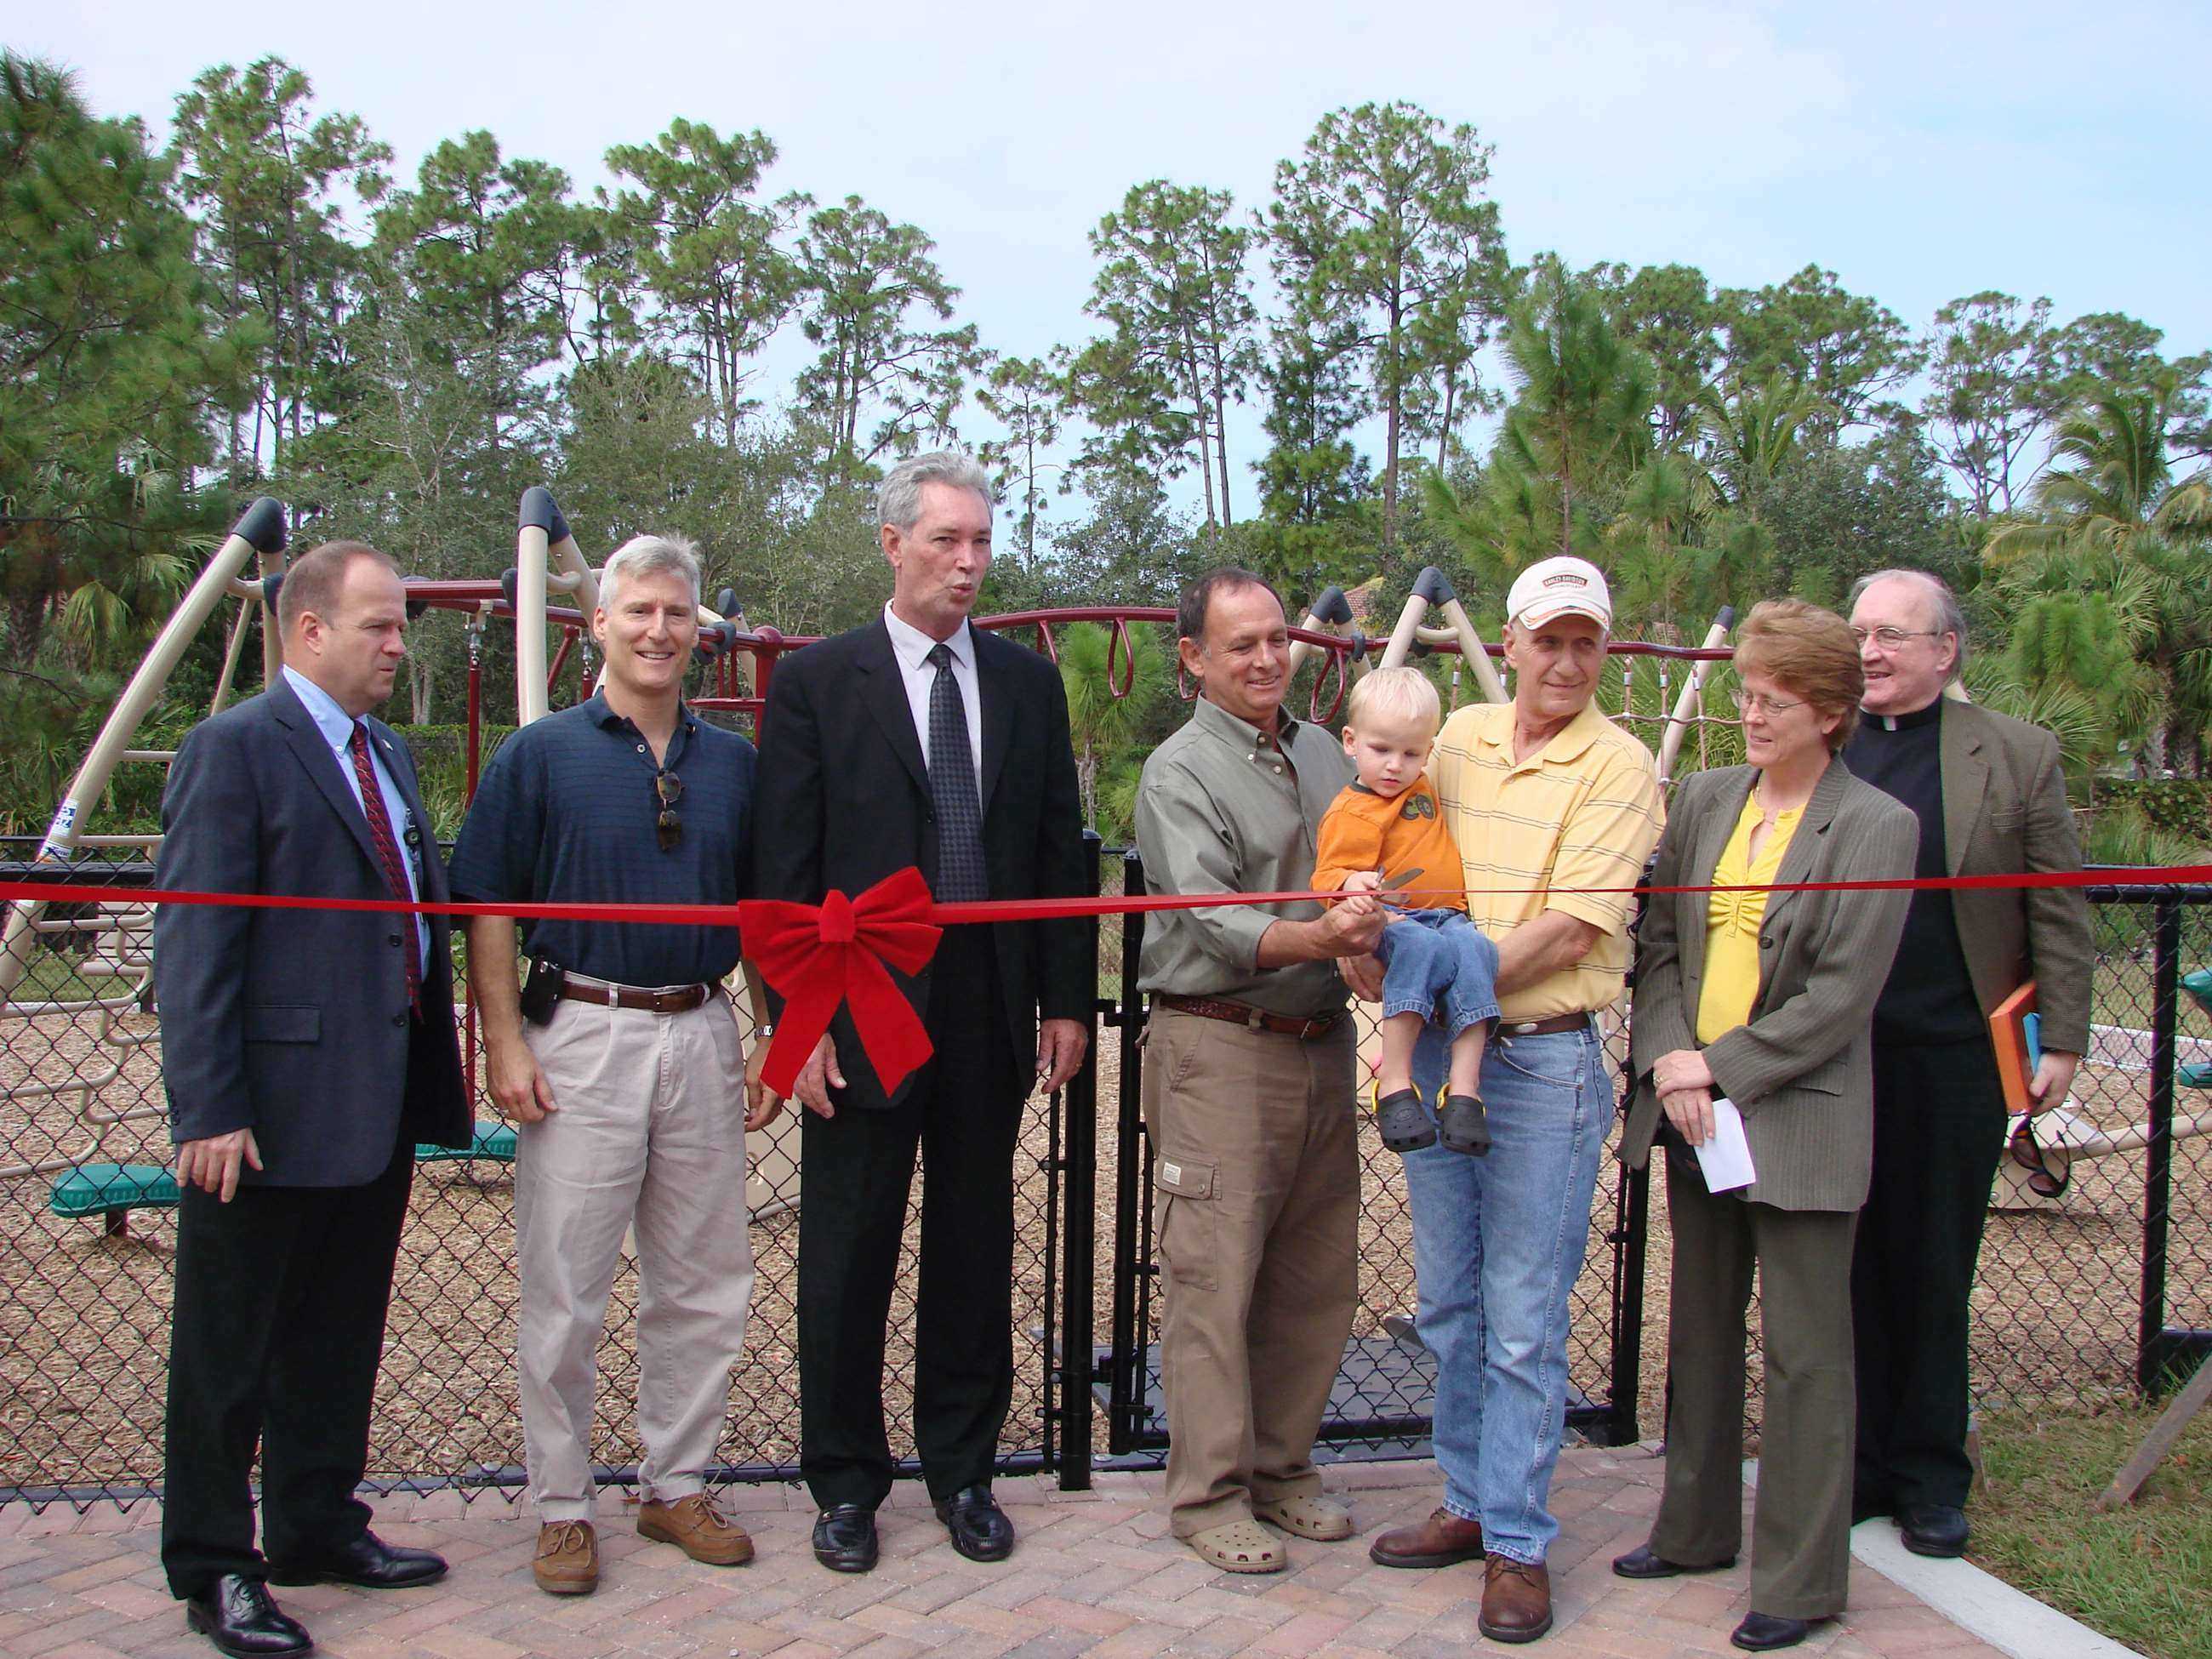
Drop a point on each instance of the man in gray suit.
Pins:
(1991, 800)
(304, 1053)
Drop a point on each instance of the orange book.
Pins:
(2012, 1034)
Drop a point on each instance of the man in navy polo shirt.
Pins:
(629, 1086)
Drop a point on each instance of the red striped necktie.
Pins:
(388, 854)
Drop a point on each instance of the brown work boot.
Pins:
(1439, 1541)
(1517, 1601)
(567, 1559)
(694, 1526)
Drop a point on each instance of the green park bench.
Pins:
(112, 1191)
(2197, 1073)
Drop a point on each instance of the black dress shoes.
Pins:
(1938, 1529)
(845, 1538)
(368, 1562)
(1644, 1561)
(235, 1613)
(979, 1527)
(1762, 1632)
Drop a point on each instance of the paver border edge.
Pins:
(1980, 1602)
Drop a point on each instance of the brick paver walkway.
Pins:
(1095, 1574)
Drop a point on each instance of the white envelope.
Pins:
(1726, 1158)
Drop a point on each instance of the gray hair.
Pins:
(644, 556)
(1949, 617)
(898, 497)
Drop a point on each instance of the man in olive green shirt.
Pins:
(1247, 1088)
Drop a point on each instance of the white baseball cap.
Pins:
(1558, 586)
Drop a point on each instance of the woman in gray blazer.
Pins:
(1763, 998)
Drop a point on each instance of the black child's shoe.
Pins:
(1405, 1128)
(1462, 1126)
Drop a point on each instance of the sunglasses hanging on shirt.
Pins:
(668, 788)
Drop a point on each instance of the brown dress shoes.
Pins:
(1517, 1601)
(1441, 1540)
(694, 1526)
(567, 1559)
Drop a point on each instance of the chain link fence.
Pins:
(2104, 1292)
(2083, 1298)
(87, 1213)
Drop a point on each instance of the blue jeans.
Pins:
(1439, 964)
(1497, 1244)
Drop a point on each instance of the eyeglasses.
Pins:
(669, 789)
(2047, 1175)
(1890, 638)
(1757, 703)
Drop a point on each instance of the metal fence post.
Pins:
(1125, 1408)
(2151, 1345)
(1080, 1230)
(1630, 1242)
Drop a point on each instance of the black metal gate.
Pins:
(1380, 1403)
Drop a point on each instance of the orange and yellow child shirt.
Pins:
(1363, 830)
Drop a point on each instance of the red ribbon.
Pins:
(1062, 909)
(820, 956)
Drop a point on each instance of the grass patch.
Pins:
(2142, 1575)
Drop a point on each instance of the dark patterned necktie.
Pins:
(960, 873)
(388, 854)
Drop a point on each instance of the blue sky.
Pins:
(1920, 151)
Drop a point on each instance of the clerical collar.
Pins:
(1917, 718)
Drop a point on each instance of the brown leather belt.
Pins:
(1238, 1014)
(681, 1000)
(1542, 1027)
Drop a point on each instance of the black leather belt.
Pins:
(680, 1000)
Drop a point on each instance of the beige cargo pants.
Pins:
(1255, 1171)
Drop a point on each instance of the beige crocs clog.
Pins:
(1321, 1519)
(1239, 1546)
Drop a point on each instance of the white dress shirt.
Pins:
(337, 727)
(912, 647)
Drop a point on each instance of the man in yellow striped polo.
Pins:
(1555, 810)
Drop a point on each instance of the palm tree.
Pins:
(1746, 433)
(2115, 523)
(1653, 574)
(1107, 708)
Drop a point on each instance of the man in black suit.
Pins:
(920, 740)
(304, 1053)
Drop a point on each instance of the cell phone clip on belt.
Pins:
(542, 989)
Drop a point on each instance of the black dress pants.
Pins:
(964, 1113)
(1939, 1118)
(277, 1333)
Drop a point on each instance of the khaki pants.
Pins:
(1256, 1219)
(649, 1132)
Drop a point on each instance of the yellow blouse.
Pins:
(1732, 921)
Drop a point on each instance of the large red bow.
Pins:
(819, 956)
